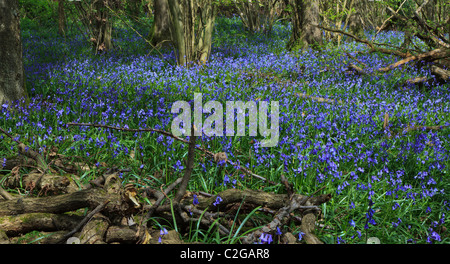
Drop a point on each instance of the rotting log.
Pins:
(441, 74)
(44, 184)
(308, 204)
(307, 227)
(24, 223)
(94, 231)
(57, 204)
(124, 234)
(259, 198)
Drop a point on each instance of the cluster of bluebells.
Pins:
(341, 145)
(265, 238)
(218, 200)
(162, 233)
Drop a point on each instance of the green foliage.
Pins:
(41, 11)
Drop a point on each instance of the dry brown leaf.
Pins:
(386, 121)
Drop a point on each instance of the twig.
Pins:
(5, 194)
(27, 151)
(160, 196)
(372, 45)
(189, 167)
(356, 59)
(83, 222)
(288, 186)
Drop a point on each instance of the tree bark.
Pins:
(103, 28)
(355, 21)
(24, 223)
(95, 16)
(12, 85)
(67, 202)
(61, 18)
(160, 33)
(191, 25)
(205, 38)
(304, 33)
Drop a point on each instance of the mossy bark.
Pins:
(12, 80)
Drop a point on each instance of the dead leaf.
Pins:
(147, 237)
(386, 121)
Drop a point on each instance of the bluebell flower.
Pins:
(178, 166)
(339, 240)
(266, 238)
(195, 201)
(433, 236)
(226, 180)
(218, 200)
(163, 232)
(300, 236)
(352, 223)
(352, 205)
(278, 231)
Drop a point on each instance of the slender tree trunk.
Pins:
(103, 28)
(96, 19)
(191, 26)
(304, 33)
(12, 85)
(160, 33)
(205, 38)
(355, 22)
(61, 18)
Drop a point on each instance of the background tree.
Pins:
(304, 16)
(96, 19)
(191, 26)
(160, 33)
(12, 85)
(61, 18)
(259, 15)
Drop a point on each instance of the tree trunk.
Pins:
(355, 21)
(191, 26)
(304, 33)
(12, 85)
(103, 28)
(160, 33)
(205, 38)
(61, 18)
(95, 16)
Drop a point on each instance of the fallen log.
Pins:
(435, 54)
(307, 227)
(258, 198)
(94, 231)
(441, 74)
(352, 68)
(58, 204)
(124, 234)
(24, 223)
(48, 184)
